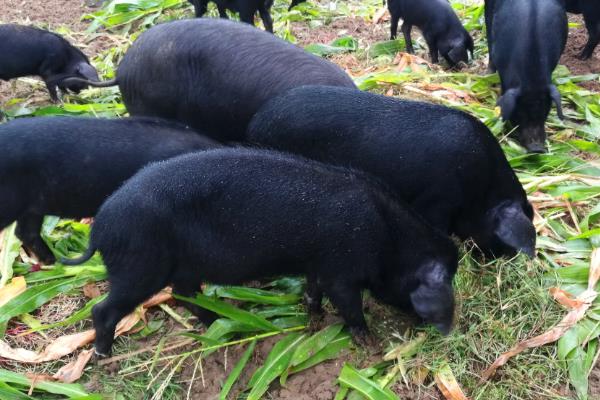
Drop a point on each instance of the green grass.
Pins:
(498, 302)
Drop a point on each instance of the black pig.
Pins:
(439, 24)
(31, 51)
(216, 75)
(295, 3)
(591, 15)
(68, 166)
(246, 8)
(443, 162)
(244, 214)
(526, 40)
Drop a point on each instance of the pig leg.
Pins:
(265, 15)
(406, 29)
(28, 230)
(433, 49)
(347, 298)
(222, 11)
(129, 287)
(394, 26)
(247, 16)
(53, 90)
(593, 39)
(200, 7)
(187, 289)
(313, 297)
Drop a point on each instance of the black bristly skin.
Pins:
(443, 162)
(295, 3)
(439, 24)
(67, 166)
(591, 16)
(234, 215)
(31, 51)
(246, 8)
(526, 40)
(221, 73)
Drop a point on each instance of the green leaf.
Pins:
(314, 344)
(332, 350)
(10, 251)
(342, 45)
(38, 295)
(230, 311)
(237, 370)
(276, 363)
(370, 389)
(256, 295)
(9, 393)
(389, 47)
(70, 390)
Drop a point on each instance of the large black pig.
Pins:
(443, 162)
(214, 74)
(591, 16)
(68, 166)
(31, 51)
(243, 214)
(439, 24)
(526, 40)
(246, 8)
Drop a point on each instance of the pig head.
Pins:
(528, 109)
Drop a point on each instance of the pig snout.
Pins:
(433, 300)
(533, 138)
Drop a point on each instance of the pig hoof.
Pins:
(315, 322)
(100, 356)
(536, 148)
(363, 338)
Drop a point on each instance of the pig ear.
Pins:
(87, 71)
(555, 96)
(514, 229)
(433, 300)
(508, 102)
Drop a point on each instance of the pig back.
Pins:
(215, 74)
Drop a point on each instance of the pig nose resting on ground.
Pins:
(67, 166)
(217, 81)
(32, 51)
(439, 24)
(526, 40)
(246, 8)
(243, 214)
(445, 163)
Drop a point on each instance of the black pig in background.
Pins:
(243, 214)
(27, 51)
(526, 40)
(439, 24)
(246, 8)
(67, 166)
(214, 74)
(445, 163)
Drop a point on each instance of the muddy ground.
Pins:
(317, 383)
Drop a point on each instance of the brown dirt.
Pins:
(318, 383)
(577, 39)
(594, 382)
